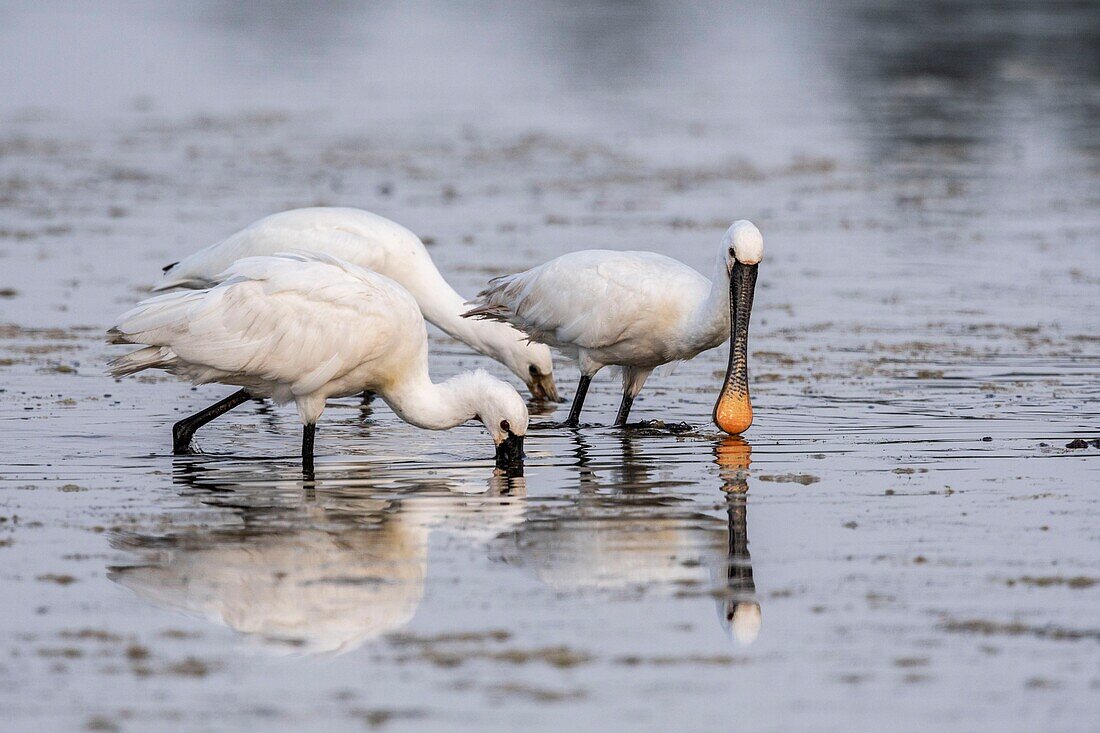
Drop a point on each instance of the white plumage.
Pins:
(304, 328)
(605, 307)
(637, 310)
(383, 246)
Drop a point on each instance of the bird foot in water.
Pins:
(676, 427)
(555, 425)
(182, 444)
(186, 449)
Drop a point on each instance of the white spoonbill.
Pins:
(375, 243)
(302, 328)
(638, 310)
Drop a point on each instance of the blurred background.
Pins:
(965, 129)
(979, 81)
(924, 350)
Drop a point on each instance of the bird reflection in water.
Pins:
(322, 571)
(740, 608)
(631, 534)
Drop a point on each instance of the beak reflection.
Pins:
(740, 608)
(733, 410)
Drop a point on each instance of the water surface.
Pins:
(903, 538)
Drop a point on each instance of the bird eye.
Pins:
(732, 254)
(505, 426)
(533, 371)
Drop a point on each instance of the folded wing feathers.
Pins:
(520, 300)
(301, 325)
(586, 299)
(150, 357)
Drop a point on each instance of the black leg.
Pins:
(308, 433)
(184, 430)
(578, 402)
(368, 396)
(624, 410)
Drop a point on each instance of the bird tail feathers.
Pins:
(488, 312)
(189, 283)
(151, 357)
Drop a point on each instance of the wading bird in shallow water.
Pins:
(383, 246)
(304, 328)
(638, 310)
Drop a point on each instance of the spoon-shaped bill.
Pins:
(733, 410)
(510, 456)
(543, 388)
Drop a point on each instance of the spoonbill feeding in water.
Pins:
(302, 328)
(374, 243)
(638, 310)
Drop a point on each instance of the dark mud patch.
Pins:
(1048, 581)
(1081, 444)
(561, 656)
(672, 660)
(458, 637)
(790, 478)
(534, 693)
(984, 627)
(381, 717)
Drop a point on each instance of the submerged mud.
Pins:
(906, 533)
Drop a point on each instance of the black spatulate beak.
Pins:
(510, 454)
(733, 410)
(543, 388)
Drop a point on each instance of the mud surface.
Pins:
(903, 539)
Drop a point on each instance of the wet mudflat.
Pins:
(903, 539)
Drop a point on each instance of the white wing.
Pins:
(352, 235)
(295, 320)
(596, 298)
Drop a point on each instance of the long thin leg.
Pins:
(184, 430)
(624, 410)
(366, 398)
(574, 418)
(633, 381)
(308, 434)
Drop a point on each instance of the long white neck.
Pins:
(444, 307)
(420, 402)
(709, 322)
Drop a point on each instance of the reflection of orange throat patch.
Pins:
(734, 455)
(733, 413)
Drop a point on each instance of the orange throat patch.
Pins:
(733, 413)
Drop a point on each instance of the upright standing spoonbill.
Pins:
(638, 310)
(303, 328)
(375, 243)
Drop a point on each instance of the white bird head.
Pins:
(504, 413)
(742, 243)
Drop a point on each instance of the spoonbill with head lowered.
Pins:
(303, 328)
(374, 243)
(638, 310)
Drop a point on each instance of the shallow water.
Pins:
(901, 540)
